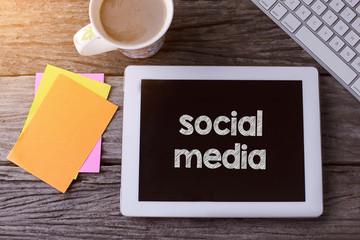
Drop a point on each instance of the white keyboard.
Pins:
(329, 30)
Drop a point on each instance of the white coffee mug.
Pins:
(92, 39)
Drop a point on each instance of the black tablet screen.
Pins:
(221, 140)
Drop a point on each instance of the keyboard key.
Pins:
(267, 4)
(356, 64)
(278, 11)
(356, 24)
(318, 7)
(358, 48)
(292, 4)
(352, 38)
(329, 17)
(337, 5)
(314, 23)
(348, 14)
(303, 13)
(347, 54)
(336, 43)
(308, 2)
(325, 33)
(291, 22)
(340, 27)
(356, 87)
(358, 9)
(352, 3)
(330, 59)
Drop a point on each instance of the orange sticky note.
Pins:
(62, 133)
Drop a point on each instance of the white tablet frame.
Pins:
(131, 206)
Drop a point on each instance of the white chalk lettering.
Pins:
(217, 129)
(188, 156)
(185, 121)
(203, 125)
(236, 154)
(212, 155)
(237, 158)
(212, 158)
(208, 127)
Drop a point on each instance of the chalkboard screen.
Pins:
(221, 141)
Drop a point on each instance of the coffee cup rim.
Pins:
(169, 16)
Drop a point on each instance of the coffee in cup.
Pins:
(130, 22)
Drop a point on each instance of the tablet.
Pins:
(221, 142)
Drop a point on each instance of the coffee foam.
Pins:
(132, 22)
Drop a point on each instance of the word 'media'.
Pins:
(212, 158)
(222, 125)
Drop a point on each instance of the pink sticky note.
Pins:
(92, 163)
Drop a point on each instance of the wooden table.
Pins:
(34, 33)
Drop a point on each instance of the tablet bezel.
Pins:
(129, 203)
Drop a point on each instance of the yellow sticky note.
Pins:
(50, 74)
(62, 133)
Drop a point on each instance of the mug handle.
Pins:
(88, 43)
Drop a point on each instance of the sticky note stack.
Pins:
(92, 163)
(66, 120)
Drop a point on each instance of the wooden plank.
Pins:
(227, 32)
(30, 209)
(340, 121)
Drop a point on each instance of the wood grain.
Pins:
(90, 209)
(34, 33)
(203, 32)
